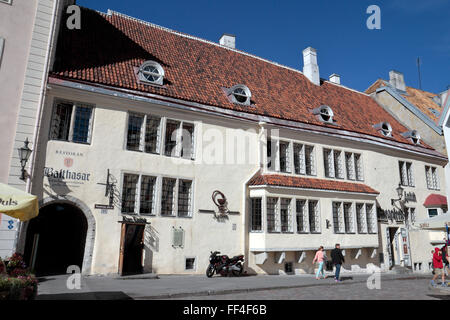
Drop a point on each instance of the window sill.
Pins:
(256, 231)
(302, 232)
(316, 232)
(68, 141)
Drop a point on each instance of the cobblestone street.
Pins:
(403, 289)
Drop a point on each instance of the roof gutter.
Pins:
(243, 116)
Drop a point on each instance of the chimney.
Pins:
(335, 78)
(396, 80)
(310, 67)
(228, 40)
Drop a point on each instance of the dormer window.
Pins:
(151, 72)
(240, 94)
(384, 128)
(413, 135)
(324, 113)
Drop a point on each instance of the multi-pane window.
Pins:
(371, 218)
(348, 218)
(302, 216)
(353, 165)
(184, 197)
(130, 182)
(171, 137)
(256, 214)
(270, 161)
(138, 194)
(284, 157)
(187, 141)
(142, 137)
(432, 177)
(338, 218)
(406, 174)
(71, 122)
(314, 216)
(361, 218)
(304, 159)
(168, 196)
(333, 163)
(285, 215)
(148, 189)
(272, 214)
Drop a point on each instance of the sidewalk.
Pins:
(171, 286)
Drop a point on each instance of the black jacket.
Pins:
(444, 253)
(336, 256)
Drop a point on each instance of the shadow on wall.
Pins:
(151, 244)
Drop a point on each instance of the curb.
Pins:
(247, 290)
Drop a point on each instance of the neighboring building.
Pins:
(142, 124)
(423, 112)
(26, 35)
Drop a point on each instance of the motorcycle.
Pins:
(223, 265)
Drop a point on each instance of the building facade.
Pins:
(26, 42)
(157, 148)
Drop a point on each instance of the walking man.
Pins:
(337, 259)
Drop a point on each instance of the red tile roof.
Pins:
(435, 200)
(108, 49)
(309, 183)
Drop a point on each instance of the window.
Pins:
(190, 264)
(240, 94)
(371, 219)
(324, 113)
(151, 72)
(71, 122)
(129, 193)
(256, 214)
(304, 159)
(406, 174)
(184, 198)
(353, 166)
(285, 215)
(288, 267)
(361, 218)
(143, 138)
(411, 214)
(6, 1)
(384, 128)
(270, 161)
(413, 136)
(184, 137)
(272, 215)
(302, 216)
(313, 214)
(168, 196)
(338, 219)
(138, 194)
(147, 203)
(348, 218)
(432, 178)
(432, 213)
(284, 157)
(333, 163)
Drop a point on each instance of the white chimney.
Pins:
(310, 67)
(335, 78)
(228, 40)
(396, 80)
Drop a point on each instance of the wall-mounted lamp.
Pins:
(328, 224)
(24, 155)
(399, 190)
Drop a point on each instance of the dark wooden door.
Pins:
(131, 249)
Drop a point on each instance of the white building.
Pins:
(27, 29)
(141, 125)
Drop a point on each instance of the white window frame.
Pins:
(373, 216)
(160, 74)
(305, 215)
(332, 163)
(195, 263)
(432, 178)
(288, 155)
(143, 132)
(75, 105)
(317, 213)
(251, 214)
(363, 218)
(137, 200)
(403, 168)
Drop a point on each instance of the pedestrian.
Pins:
(319, 257)
(337, 259)
(438, 267)
(445, 259)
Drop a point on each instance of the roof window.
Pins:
(151, 72)
(324, 113)
(240, 94)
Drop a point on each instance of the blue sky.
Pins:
(280, 30)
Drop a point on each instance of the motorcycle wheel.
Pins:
(237, 273)
(210, 271)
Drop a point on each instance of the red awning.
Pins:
(435, 200)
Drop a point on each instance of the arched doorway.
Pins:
(56, 239)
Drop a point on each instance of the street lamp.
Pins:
(399, 190)
(24, 155)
